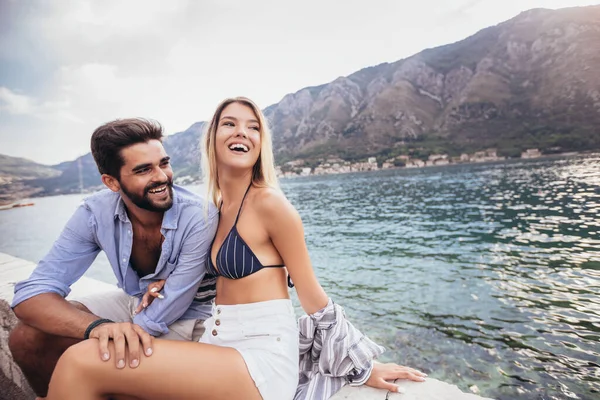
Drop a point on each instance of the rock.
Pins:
(13, 384)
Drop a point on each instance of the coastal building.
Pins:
(335, 165)
(531, 153)
(295, 163)
(437, 159)
(305, 171)
(415, 163)
(487, 155)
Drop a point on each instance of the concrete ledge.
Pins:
(13, 270)
(432, 389)
(14, 385)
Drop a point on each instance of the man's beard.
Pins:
(145, 202)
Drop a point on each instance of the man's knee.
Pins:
(28, 344)
(23, 341)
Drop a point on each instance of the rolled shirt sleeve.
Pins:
(333, 352)
(182, 284)
(70, 256)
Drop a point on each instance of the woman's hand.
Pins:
(389, 372)
(153, 292)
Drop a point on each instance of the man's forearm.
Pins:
(51, 313)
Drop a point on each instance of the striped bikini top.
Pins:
(235, 259)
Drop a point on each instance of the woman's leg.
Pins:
(176, 370)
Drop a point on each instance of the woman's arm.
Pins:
(284, 227)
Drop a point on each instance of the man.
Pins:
(149, 230)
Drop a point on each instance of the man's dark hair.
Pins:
(109, 139)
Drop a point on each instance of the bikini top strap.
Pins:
(241, 205)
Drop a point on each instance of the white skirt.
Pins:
(266, 335)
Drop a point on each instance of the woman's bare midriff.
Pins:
(264, 285)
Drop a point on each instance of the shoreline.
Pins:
(13, 269)
(449, 164)
(28, 197)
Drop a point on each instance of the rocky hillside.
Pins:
(532, 81)
(14, 167)
(16, 175)
(76, 175)
(184, 149)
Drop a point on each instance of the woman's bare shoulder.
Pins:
(271, 202)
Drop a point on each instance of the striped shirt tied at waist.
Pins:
(332, 353)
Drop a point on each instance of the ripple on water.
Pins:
(483, 275)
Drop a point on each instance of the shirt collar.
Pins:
(120, 211)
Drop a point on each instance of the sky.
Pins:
(68, 66)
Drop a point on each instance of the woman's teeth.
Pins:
(238, 147)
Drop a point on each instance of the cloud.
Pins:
(14, 103)
(68, 66)
(18, 104)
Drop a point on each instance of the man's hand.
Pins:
(389, 372)
(152, 292)
(123, 334)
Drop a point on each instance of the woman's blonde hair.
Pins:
(263, 172)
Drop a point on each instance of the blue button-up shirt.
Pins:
(101, 223)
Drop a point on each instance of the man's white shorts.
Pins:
(118, 306)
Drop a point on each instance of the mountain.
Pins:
(16, 175)
(21, 168)
(530, 82)
(75, 176)
(184, 150)
(62, 166)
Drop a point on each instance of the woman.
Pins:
(250, 347)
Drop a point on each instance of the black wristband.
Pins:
(94, 324)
